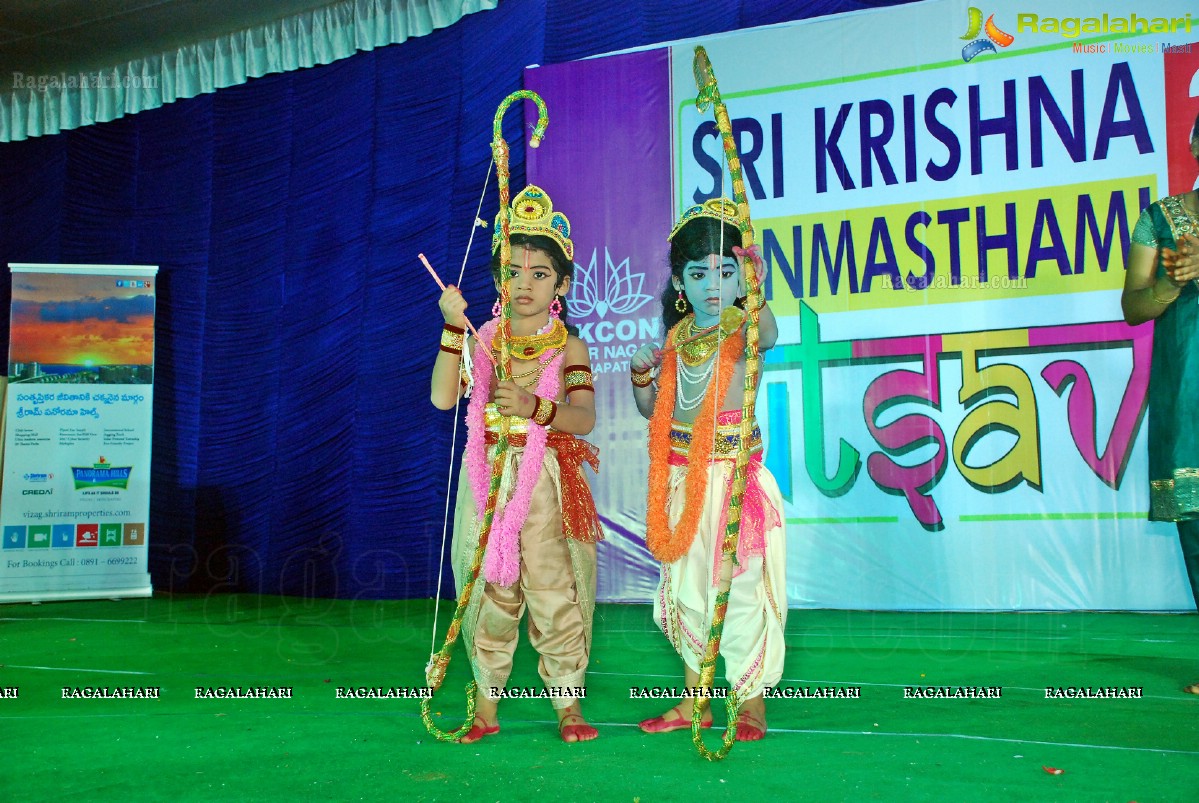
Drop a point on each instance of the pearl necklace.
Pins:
(693, 377)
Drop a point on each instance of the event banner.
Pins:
(75, 502)
(944, 196)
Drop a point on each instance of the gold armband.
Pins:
(578, 377)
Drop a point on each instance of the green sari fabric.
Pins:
(1174, 377)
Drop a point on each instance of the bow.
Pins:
(499, 150)
(709, 95)
(439, 661)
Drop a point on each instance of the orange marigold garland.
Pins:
(664, 543)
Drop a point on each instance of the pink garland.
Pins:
(502, 562)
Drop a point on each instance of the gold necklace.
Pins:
(535, 372)
(528, 347)
(696, 346)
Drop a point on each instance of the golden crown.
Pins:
(533, 213)
(721, 209)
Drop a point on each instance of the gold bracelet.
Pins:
(1163, 301)
(544, 411)
(452, 339)
(641, 379)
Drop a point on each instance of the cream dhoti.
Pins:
(752, 641)
(557, 569)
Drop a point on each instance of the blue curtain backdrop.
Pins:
(295, 449)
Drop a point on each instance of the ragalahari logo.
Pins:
(617, 291)
(977, 45)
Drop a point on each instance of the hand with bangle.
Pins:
(453, 309)
(643, 363)
(1181, 265)
(512, 399)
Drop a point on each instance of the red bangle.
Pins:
(544, 411)
(641, 379)
(452, 339)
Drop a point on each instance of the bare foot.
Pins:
(572, 726)
(675, 719)
(1191, 689)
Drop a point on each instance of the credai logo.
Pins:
(601, 294)
(37, 492)
(992, 35)
(101, 475)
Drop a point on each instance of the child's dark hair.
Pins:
(1195, 129)
(563, 267)
(697, 239)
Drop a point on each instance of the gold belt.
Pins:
(728, 440)
(492, 418)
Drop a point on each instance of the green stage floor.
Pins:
(314, 746)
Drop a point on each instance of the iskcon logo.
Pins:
(617, 290)
(992, 35)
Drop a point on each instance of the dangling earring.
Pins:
(496, 309)
(555, 307)
(679, 303)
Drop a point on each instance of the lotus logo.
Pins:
(994, 36)
(617, 291)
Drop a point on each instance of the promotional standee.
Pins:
(944, 196)
(76, 495)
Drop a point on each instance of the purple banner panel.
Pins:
(605, 162)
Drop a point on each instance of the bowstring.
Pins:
(720, 335)
(465, 363)
(449, 481)
(479, 222)
(715, 388)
